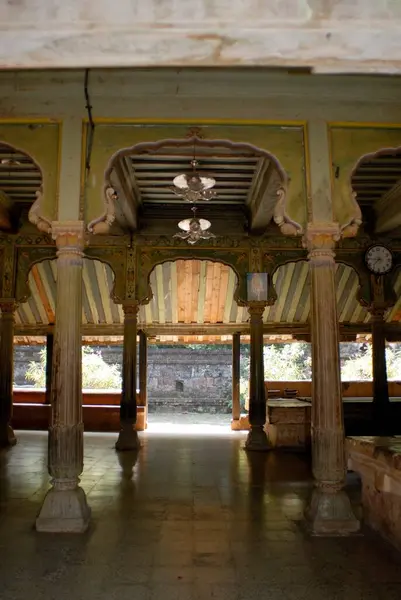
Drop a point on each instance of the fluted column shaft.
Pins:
(257, 438)
(8, 307)
(328, 455)
(128, 437)
(49, 366)
(65, 507)
(66, 430)
(330, 509)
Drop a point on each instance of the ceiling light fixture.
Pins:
(194, 187)
(194, 229)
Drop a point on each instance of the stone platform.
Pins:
(287, 425)
(378, 462)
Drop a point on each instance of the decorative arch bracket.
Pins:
(287, 225)
(102, 224)
(35, 214)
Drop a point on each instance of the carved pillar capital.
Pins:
(130, 308)
(8, 306)
(320, 240)
(69, 237)
(380, 302)
(256, 309)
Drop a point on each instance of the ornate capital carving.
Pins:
(130, 308)
(320, 240)
(380, 301)
(256, 309)
(102, 224)
(69, 236)
(8, 306)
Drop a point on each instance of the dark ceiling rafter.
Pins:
(375, 176)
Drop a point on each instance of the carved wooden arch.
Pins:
(356, 262)
(280, 260)
(34, 215)
(113, 257)
(148, 259)
(350, 229)
(26, 259)
(390, 280)
(280, 216)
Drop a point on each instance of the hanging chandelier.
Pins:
(194, 229)
(194, 187)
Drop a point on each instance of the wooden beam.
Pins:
(289, 270)
(215, 292)
(181, 290)
(90, 296)
(104, 289)
(195, 289)
(222, 296)
(188, 291)
(232, 280)
(116, 329)
(202, 291)
(174, 309)
(160, 294)
(36, 291)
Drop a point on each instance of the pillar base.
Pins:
(7, 437)
(331, 514)
(257, 440)
(128, 439)
(241, 424)
(64, 511)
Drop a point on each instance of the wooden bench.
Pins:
(100, 411)
(378, 462)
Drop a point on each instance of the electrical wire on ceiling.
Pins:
(91, 132)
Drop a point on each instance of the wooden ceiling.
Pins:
(20, 177)
(143, 182)
(376, 176)
(192, 301)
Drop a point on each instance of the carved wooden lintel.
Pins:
(115, 258)
(26, 258)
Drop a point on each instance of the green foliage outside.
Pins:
(96, 373)
(282, 362)
(293, 362)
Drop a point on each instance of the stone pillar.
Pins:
(65, 508)
(236, 348)
(143, 379)
(330, 509)
(49, 366)
(257, 438)
(8, 307)
(128, 436)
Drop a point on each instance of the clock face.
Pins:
(379, 260)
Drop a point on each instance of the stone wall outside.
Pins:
(180, 378)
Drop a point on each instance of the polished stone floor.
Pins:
(188, 518)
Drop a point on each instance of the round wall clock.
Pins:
(379, 259)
